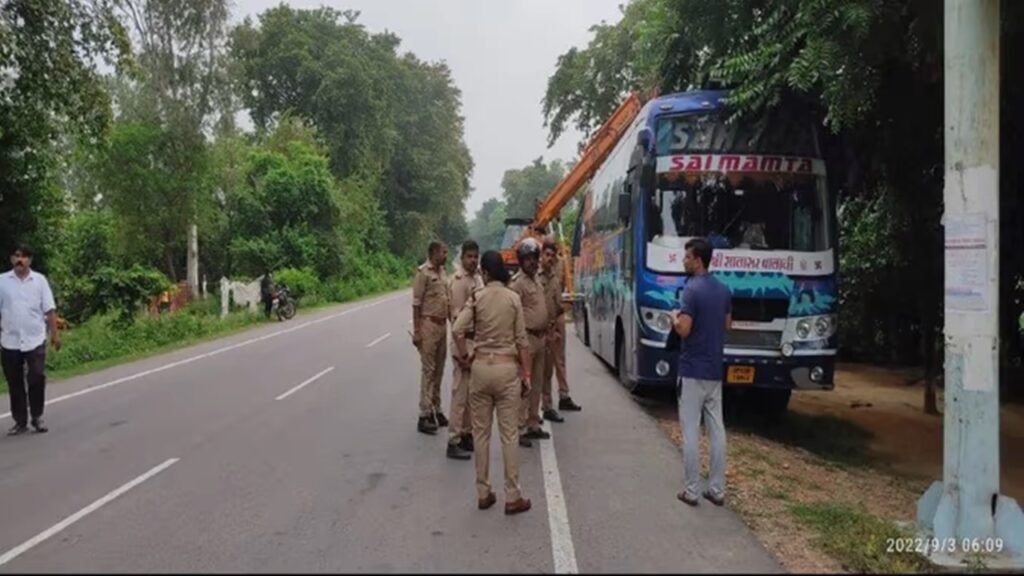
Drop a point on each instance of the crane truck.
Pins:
(549, 209)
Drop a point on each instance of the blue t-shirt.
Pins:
(708, 302)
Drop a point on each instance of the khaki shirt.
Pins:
(430, 291)
(495, 314)
(531, 292)
(553, 291)
(461, 289)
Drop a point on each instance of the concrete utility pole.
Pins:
(966, 508)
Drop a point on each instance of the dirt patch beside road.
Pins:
(903, 437)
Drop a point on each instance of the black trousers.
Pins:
(15, 363)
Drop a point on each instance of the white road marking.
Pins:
(304, 384)
(49, 532)
(212, 353)
(378, 340)
(558, 518)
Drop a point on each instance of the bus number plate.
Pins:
(740, 375)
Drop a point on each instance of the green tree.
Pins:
(391, 123)
(523, 188)
(86, 242)
(181, 61)
(49, 90)
(179, 81)
(496, 225)
(488, 226)
(289, 215)
(144, 170)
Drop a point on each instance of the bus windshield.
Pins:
(742, 212)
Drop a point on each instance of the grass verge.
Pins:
(859, 540)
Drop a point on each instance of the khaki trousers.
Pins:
(529, 417)
(461, 421)
(495, 387)
(555, 364)
(433, 353)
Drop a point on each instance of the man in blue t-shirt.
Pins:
(704, 316)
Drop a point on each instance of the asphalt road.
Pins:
(293, 448)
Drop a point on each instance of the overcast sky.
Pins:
(501, 53)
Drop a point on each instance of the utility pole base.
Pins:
(937, 518)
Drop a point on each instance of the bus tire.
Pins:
(620, 362)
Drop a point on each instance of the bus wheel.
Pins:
(620, 364)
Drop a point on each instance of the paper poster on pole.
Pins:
(967, 287)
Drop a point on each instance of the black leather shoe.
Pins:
(525, 442)
(566, 404)
(486, 503)
(455, 452)
(552, 415)
(441, 421)
(17, 430)
(517, 507)
(39, 426)
(466, 443)
(426, 425)
(537, 434)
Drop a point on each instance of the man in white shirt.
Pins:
(27, 309)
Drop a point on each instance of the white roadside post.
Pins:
(964, 513)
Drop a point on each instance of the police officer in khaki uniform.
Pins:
(552, 273)
(527, 283)
(499, 377)
(430, 309)
(466, 280)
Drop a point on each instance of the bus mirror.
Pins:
(625, 206)
(643, 139)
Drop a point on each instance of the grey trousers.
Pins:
(702, 397)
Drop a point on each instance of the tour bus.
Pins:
(757, 191)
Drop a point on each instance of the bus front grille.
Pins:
(757, 339)
(759, 309)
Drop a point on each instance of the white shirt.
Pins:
(23, 308)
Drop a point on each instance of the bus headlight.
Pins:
(803, 329)
(822, 326)
(657, 320)
(813, 328)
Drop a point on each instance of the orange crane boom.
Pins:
(593, 156)
(596, 152)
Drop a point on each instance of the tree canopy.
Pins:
(387, 119)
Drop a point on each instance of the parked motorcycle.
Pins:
(283, 303)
